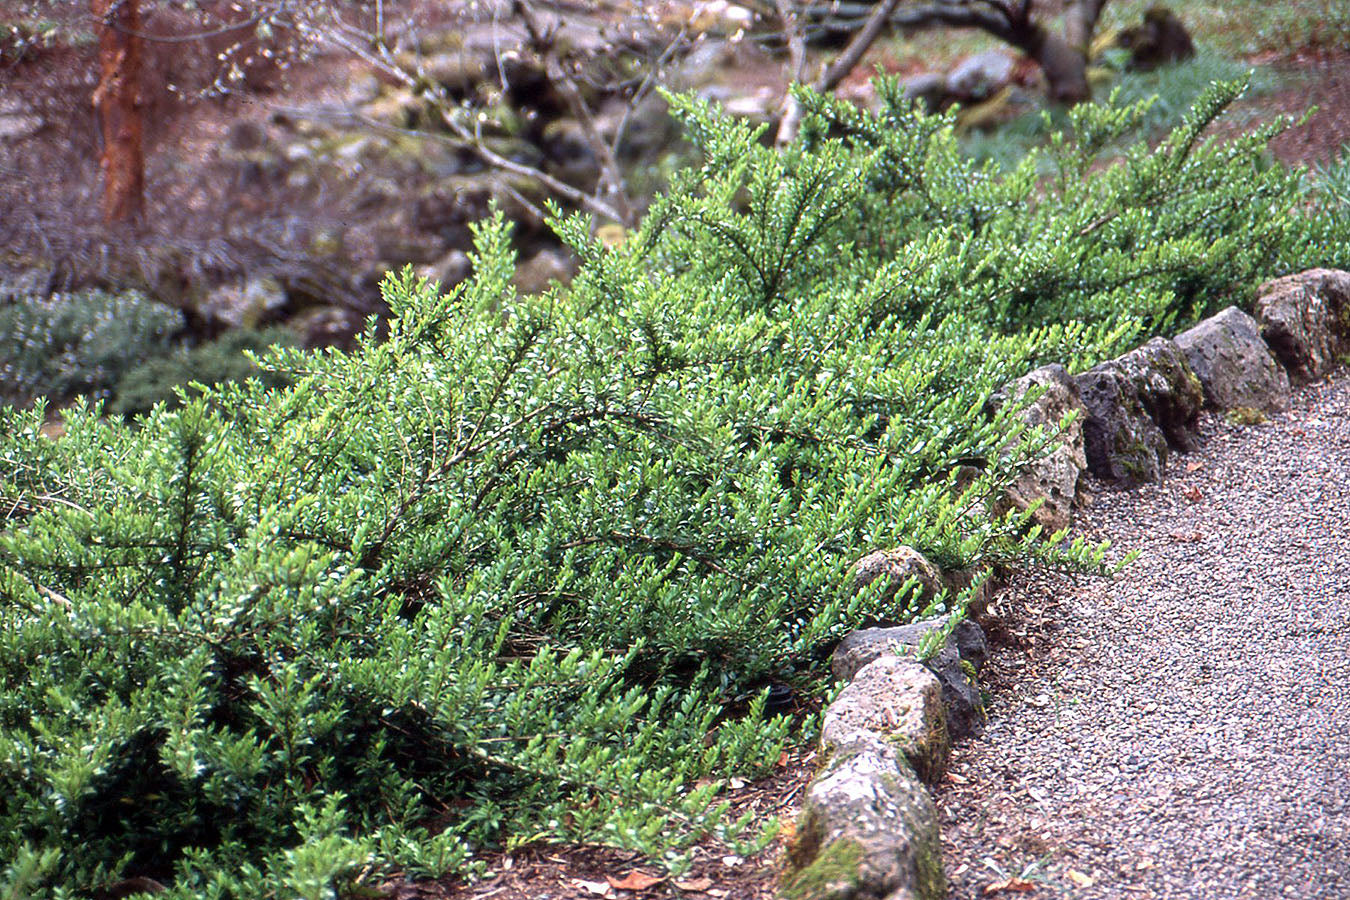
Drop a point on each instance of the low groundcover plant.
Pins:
(526, 567)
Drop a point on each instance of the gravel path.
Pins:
(1183, 730)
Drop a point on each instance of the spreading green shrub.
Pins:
(1170, 92)
(79, 343)
(224, 359)
(527, 567)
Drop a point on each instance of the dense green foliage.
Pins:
(527, 566)
(79, 343)
(225, 359)
(1170, 91)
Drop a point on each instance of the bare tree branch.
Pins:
(958, 16)
(796, 45)
(1081, 21)
(383, 61)
(611, 176)
(844, 63)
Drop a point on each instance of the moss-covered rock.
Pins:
(1122, 441)
(1168, 389)
(868, 829)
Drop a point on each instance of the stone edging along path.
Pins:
(868, 828)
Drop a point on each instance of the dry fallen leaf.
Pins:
(957, 779)
(1193, 465)
(1194, 537)
(787, 830)
(594, 888)
(1193, 494)
(1078, 878)
(782, 760)
(1011, 885)
(633, 881)
(693, 884)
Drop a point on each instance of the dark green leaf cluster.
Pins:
(227, 358)
(527, 566)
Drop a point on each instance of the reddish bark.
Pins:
(117, 100)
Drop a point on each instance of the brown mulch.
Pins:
(1324, 84)
(543, 871)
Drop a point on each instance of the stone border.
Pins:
(868, 828)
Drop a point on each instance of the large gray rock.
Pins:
(1305, 320)
(895, 568)
(1121, 440)
(928, 88)
(570, 155)
(980, 76)
(956, 664)
(1167, 388)
(868, 831)
(538, 273)
(899, 701)
(1054, 477)
(1233, 364)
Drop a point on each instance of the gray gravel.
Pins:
(1184, 729)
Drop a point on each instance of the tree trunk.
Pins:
(1065, 69)
(117, 100)
(1064, 65)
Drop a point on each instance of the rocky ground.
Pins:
(1182, 730)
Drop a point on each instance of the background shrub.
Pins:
(79, 343)
(159, 380)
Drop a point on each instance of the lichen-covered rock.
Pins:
(1305, 319)
(247, 305)
(1233, 364)
(868, 831)
(1167, 388)
(1121, 440)
(956, 664)
(899, 701)
(1054, 477)
(896, 567)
